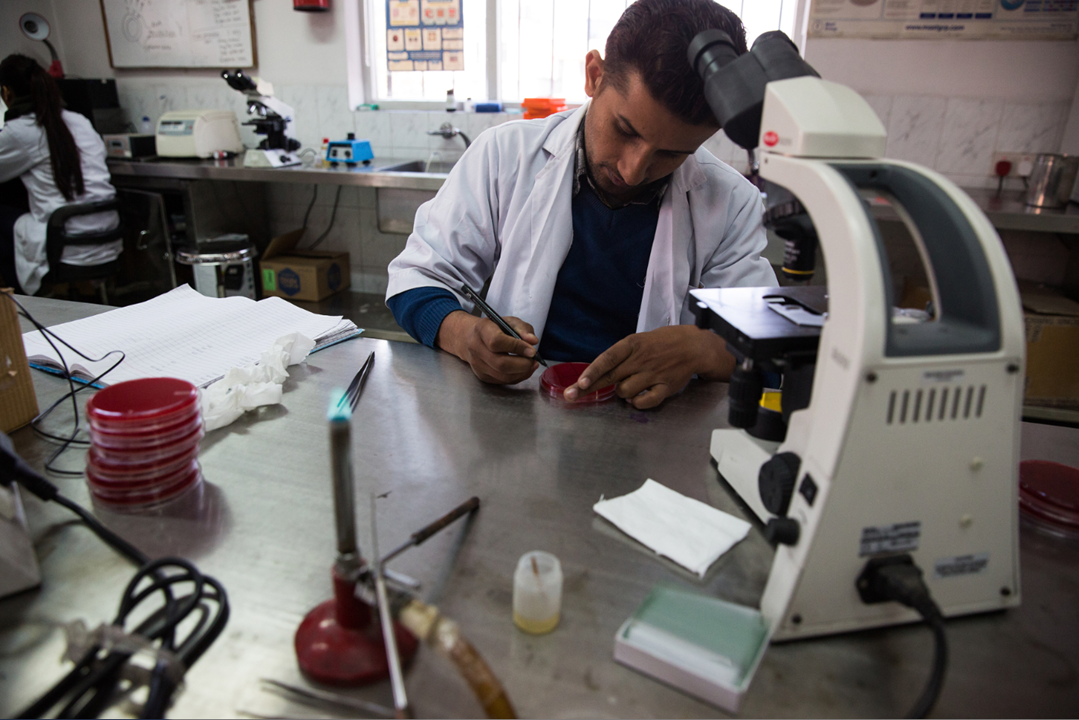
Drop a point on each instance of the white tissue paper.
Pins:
(679, 528)
(258, 384)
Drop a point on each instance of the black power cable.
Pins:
(897, 578)
(333, 216)
(95, 681)
(35, 424)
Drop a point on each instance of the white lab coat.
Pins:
(24, 152)
(504, 213)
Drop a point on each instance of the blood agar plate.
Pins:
(557, 378)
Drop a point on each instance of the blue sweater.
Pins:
(597, 295)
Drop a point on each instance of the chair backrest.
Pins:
(57, 237)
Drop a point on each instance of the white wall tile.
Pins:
(914, 128)
(374, 125)
(408, 130)
(722, 147)
(882, 106)
(304, 102)
(334, 116)
(969, 136)
(372, 283)
(170, 97)
(1031, 128)
(211, 96)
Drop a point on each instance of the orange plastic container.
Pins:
(536, 108)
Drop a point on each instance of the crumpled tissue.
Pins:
(246, 388)
(679, 528)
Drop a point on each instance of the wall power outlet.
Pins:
(1022, 163)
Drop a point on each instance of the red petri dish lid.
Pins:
(147, 454)
(557, 378)
(147, 427)
(139, 401)
(133, 441)
(137, 474)
(139, 500)
(1049, 493)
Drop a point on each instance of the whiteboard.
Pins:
(179, 33)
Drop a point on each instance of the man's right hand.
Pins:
(494, 357)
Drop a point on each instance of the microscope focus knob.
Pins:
(776, 482)
(782, 531)
(744, 396)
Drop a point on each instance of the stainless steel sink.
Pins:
(397, 205)
(436, 167)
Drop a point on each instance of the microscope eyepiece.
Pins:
(734, 84)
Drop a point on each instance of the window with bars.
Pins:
(540, 50)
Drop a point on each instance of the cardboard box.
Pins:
(302, 274)
(1052, 328)
(18, 403)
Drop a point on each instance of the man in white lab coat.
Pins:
(593, 225)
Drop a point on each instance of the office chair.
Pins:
(57, 238)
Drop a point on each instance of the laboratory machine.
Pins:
(883, 465)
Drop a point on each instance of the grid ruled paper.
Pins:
(181, 334)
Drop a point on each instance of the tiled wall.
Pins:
(955, 136)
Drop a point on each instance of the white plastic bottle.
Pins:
(146, 127)
(451, 104)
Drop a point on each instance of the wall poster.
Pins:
(425, 35)
(950, 19)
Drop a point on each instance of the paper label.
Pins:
(901, 537)
(960, 565)
(269, 280)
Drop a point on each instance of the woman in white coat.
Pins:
(531, 204)
(60, 159)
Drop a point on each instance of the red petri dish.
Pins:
(1049, 496)
(142, 455)
(157, 438)
(142, 405)
(136, 475)
(557, 378)
(134, 501)
(144, 429)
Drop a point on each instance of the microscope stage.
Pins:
(745, 318)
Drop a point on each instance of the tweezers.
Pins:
(352, 395)
(502, 324)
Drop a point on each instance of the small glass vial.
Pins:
(537, 592)
(451, 104)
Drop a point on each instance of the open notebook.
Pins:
(182, 334)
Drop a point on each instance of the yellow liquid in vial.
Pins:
(536, 627)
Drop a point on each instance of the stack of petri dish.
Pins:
(144, 443)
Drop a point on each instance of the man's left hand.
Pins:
(648, 367)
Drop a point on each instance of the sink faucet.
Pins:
(434, 157)
(448, 131)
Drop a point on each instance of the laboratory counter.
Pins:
(383, 172)
(427, 436)
(1006, 210)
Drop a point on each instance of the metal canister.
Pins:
(1051, 180)
(223, 267)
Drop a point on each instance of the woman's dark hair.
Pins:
(651, 38)
(29, 83)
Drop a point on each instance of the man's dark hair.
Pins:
(651, 39)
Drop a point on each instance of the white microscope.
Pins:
(888, 483)
(271, 117)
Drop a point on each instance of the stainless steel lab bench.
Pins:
(428, 435)
(385, 173)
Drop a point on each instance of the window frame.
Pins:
(359, 56)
